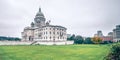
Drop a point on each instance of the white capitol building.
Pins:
(44, 33)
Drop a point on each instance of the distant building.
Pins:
(84, 38)
(107, 38)
(104, 38)
(99, 34)
(69, 35)
(95, 35)
(116, 34)
(110, 34)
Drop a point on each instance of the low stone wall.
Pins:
(14, 43)
(70, 42)
(56, 43)
(38, 42)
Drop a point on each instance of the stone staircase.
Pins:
(33, 43)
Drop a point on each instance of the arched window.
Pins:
(57, 32)
(60, 37)
(50, 37)
(39, 35)
(44, 37)
(44, 32)
(50, 32)
(53, 32)
(53, 28)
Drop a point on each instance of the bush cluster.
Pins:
(114, 53)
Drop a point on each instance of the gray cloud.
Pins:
(83, 17)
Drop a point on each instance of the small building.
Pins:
(107, 38)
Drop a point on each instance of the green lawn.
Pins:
(65, 52)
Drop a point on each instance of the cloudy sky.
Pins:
(81, 17)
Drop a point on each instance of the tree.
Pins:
(88, 41)
(9, 38)
(71, 38)
(96, 40)
(78, 40)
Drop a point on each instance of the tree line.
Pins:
(4, 38)
(80, 40)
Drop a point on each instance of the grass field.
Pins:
(66, 52)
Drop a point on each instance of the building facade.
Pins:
(110, 34)
(116, 34)
(98, 34)
(42, 31)
(108, 38)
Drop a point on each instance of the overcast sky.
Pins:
(81, 17)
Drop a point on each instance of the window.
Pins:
(57, 32)
(54, 37)
(58, 37)
(44, 37)
(50, 32)
(53, 32)
(46, 32)
(39, 35)
(60, 33)
(50, 37)
(50, 28)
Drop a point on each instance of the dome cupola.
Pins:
(32, 24)
(39, 19)
(39, 14)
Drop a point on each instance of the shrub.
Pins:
(114, 53)
(78, 40)
(88, 41)
(96, 40)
